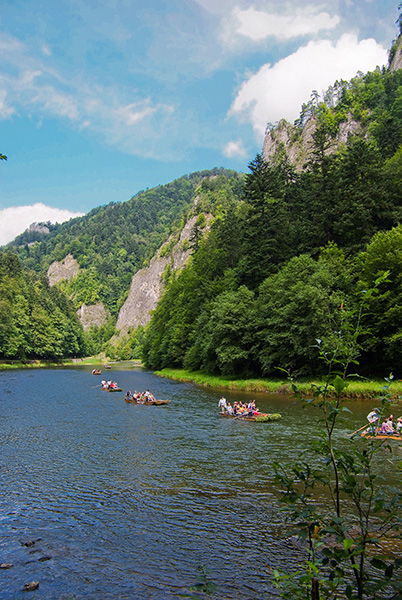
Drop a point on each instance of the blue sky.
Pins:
(100, 99)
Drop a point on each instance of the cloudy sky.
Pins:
(100, 99)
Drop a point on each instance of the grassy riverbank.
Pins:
(40, 364)
(357, 388)
(90, 361)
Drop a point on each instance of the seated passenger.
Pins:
(384, 428)
(390, 424)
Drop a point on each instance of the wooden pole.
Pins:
(357, 430)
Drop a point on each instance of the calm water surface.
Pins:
(126, 501)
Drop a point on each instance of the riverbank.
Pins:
(358, 388)
(40, 364)
(91, 361)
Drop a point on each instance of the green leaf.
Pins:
(348, 543)
(377, 563)
(339, 385)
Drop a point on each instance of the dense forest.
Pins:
(284, 266)
(36, 320)
(288, 264)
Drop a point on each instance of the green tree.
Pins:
(296, 306)
(384, 317)
(265, 229)
(227, 338)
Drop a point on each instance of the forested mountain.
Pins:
(289, 264)
(291, 250)
(112, 242)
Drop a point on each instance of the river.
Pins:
(126, 502)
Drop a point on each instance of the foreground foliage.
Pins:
(345, 533)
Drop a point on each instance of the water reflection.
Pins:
(125, 501)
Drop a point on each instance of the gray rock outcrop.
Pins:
(94, 315)
(297, 143)
(65, 269)
(396, 60)
(147, 285)
(38, 228)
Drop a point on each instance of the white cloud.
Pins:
(129, 115)
(279, 91)
(258, 25)
(15, 220)
(234, 148)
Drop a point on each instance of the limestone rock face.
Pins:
(39, 228)
(147, 285)
(90, 316)
(66, 269)
(396, 62)
(298, 144)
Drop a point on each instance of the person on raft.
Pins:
(222, 404)
(373, 418)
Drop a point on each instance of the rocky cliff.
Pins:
(297, 143)
(67, 269)
(147, 285)
(395, 62)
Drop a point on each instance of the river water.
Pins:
(126, 502)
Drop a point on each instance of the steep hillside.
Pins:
(313, 252)
(110, 244)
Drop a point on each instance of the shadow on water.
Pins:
(125, 501)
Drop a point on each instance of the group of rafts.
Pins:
(136, 398)
(384, 431)
(247, 411)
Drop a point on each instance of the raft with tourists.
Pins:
(144, 398)
(110, 386)
(260, 418)
(245, 411)
(377, 431)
